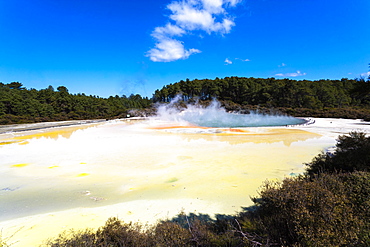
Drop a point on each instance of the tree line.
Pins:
(20, 105)
(272, 92)
(347, 96)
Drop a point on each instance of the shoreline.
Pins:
(15, 128)
(334, 127)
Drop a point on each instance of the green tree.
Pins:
(62, 89)
(15, 85)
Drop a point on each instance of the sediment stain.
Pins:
(172, 180)
(20, 165)
(83, 174)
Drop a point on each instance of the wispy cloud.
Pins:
(227, 61)
(243, 60)
(298, 73)
(282, 65)
(167, 31)
(208, 16)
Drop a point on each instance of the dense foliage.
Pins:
(272, 92)
(329, 210)
(19, 105)
(352, 154)
(166, 233)
(343, 98)
(327, 206)
(322, 98)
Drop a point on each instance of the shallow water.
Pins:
(115, 162)
(76, 177)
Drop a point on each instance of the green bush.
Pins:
(166, 233)
(352, 154)
(309, 212)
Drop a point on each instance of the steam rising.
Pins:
(216, 116)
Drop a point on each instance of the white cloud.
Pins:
(167, 31)
(232, 2)
(227, 61)
(282, 65)
(200, 15)
(367, 74)
(213, 6)
(216, 6)
(168, 50)
(298, 73)
(188, 17)
(209, 16)
(226, 25)
(243, 60)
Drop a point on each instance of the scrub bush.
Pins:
(304, 212)
(164, 234)
(352, 154)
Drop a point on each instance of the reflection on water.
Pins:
(239, 136)
(117, 162)
(53, 133)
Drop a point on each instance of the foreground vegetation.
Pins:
(327, 206)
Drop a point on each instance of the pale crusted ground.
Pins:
(78, 176)
(38, 126)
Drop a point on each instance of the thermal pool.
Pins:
(54, 179)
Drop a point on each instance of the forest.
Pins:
(345, 98)
(272, 92)
(21, 105)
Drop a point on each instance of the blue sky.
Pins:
(120, 47)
